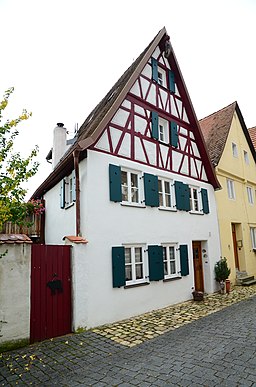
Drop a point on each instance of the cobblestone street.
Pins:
(215, 350)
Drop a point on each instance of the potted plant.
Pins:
(222, 272)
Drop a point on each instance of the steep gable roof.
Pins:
(96, 121)
(252, 133)
(216, 127)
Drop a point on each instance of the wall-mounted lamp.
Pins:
(239, 243)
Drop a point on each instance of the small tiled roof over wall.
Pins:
(14, 238)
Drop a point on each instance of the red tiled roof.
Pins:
(14, 238)
(252, 133)
(215, 129)
(75, 239)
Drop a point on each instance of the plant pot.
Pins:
(227, 286)
(198, 296)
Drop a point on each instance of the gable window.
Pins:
(249, 195)
(161, 76)
(163, 130)
(165, 193)
(135, 264)
(246, 157)
(194, 199)
(171, 267)
(253, 237)
(231, 189)
(234, 150)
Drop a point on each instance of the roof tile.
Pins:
(14, 238)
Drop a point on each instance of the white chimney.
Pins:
(59, 143)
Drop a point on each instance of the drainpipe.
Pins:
(76, 168)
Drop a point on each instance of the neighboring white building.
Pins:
(137, 183)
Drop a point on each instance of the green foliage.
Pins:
(221, 270)
(14, 169)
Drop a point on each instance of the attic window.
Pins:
(234, 150)
(246, 157)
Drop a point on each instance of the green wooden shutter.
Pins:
(205, 201)
(154, 69)
(156, 265)
(171, 81)
(118, 266)
(174, 134)
(154, 125)
(186, 199)
(73, 186)
(62, 193)
(178, 185)
(184, 268)
(151, 190)
(115, 190)
(182, 196)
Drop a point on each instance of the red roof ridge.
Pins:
(218, 111)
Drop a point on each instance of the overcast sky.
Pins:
(63, 56)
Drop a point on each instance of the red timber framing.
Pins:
(168, 106)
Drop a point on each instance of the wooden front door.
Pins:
(198, 266)
(50, 292)
(235, 245)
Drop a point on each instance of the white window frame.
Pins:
(234, 150)
(69, 181)
(195, 203)
(163, 130)
(130, 188)
(250, 195)
(162, 191)
(253, 237)
(133, 264)
(231, 189)
(162, 79)
(246, 157)
(167, 260)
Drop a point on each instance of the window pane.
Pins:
(128, 272)
(135, 195)
(139, 271)
(164, 253)
(138, 254)
(165, 268)
(172, 267)
(124, 186)
(167, 187)
(127, 254)
(168, 200)
(134, 180)
(171, 252)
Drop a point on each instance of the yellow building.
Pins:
(234, 159)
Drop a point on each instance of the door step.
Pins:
(245, 280)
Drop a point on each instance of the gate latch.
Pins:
(55, 285)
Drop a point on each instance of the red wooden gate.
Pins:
(50, 292)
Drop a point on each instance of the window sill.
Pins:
(196, 213)
(136, 285)
(69, 205)
(167, 209)
(172, 279)
(133, 205)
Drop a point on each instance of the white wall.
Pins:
(106, 224)
(15, 270)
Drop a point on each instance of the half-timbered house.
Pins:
(138, 186)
